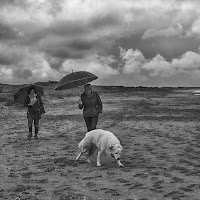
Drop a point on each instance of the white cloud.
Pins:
(195, 29)
(96, 65)
(5, 71)
(190, 61)
(6, 74)
(135, 63)
(158, 66)
(24, 65)
(169, 32)
(133, 60)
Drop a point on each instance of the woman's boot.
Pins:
(30, 133)
(36, 132)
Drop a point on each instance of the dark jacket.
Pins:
(34, 111)
(91, 105)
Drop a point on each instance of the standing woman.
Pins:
(35, 107)
(92, 106)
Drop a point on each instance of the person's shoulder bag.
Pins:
(41, 108)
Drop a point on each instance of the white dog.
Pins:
(104, 141)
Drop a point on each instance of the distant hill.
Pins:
(48, 83)
(139, 88)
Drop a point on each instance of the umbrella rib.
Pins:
(76, 80)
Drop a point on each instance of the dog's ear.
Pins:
(111, 147)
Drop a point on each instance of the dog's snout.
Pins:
(118, 158)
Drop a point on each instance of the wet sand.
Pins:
(160, 134)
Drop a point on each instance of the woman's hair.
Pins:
(32, 88)
(87, 85)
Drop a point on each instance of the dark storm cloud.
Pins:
(34, 37)
(168, 48)
(6, 60)
(109, 20)
(7, 2)
(22, 73)
(68, 28)
(62, 39)
(8, 33)
(74, 37)
(61, 52)
(81, 45)
(80, 28)
(8, 57)
(69, 40)
(15, 3)
(55, 36)
(54, 6)
(55, 63)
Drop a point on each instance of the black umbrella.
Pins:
(20, 96)
(75, 79)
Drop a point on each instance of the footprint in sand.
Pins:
(92, 177)
(42, 180)
(156, 190)
(195, 186)
(175, 194)
(186, 189)
(40, 191)
(154, 178)
(111, 173)
(13, 174)
(126, 169)
(92, 186)
(49, 169)
(63, 161)
(69, 193)
(137, 185)
(27, 174)
(122, 180)
(113, 192)
(166, 174)
(177, 180)
(21, 188)
(141, 175)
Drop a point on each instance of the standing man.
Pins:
(91, 104)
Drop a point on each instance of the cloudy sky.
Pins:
(123, 42)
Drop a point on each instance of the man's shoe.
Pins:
(36, 137)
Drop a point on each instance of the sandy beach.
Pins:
(159, 130)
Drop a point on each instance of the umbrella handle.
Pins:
(79, 94)
(77, 89)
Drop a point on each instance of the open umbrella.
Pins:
(75, 79)
(20, 96)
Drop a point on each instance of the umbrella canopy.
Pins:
(20, 96)
(75, 79)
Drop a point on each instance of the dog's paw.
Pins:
(88, 160)
(98, 165)
(77, 158)
(119, 163)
